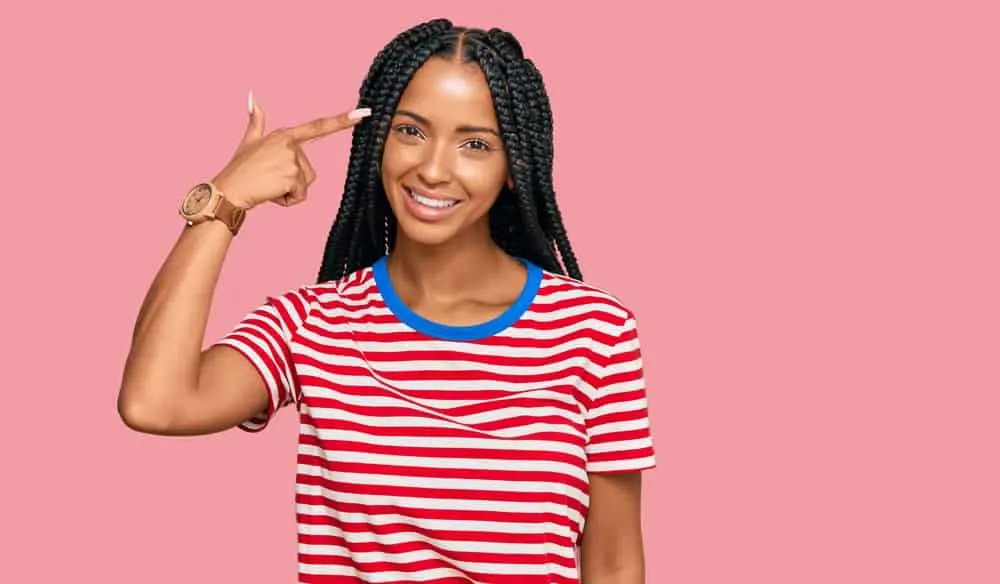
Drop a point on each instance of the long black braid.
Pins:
(525, 221)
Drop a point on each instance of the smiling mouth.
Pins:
(430, 203)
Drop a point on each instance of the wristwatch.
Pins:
(204, 202)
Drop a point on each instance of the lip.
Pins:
(428, 214)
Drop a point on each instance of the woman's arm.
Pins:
(170, 385)
(612, 548)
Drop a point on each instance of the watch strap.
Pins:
(231, 215)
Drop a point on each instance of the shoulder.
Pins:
(306, 298)
(558, 289)
(357, 284)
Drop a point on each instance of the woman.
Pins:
(470, 410)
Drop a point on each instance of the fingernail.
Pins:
(250, 101)
(361, 112)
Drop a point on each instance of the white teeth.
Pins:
(432, 203)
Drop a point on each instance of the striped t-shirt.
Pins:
(448, 454)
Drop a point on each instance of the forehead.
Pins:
(449, 93)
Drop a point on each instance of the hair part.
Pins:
(525, 221)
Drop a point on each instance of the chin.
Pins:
(424, 234)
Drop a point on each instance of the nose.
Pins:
(435, 167)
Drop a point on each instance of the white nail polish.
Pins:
(250, 101)
(359, 113)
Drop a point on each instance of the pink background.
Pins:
(800, 202)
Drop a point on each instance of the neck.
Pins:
(448, 271)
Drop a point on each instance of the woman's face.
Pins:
(443, 165)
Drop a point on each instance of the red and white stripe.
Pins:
(439, 461)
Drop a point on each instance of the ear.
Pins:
(510, 183)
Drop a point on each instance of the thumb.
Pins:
(255, 127)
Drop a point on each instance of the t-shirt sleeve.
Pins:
(264, 336)
(619, 438)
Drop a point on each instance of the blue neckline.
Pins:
(447, 332)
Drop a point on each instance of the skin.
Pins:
(170, 385)
(612, 548)
(444, 139)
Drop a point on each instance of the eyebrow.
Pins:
(463, 129)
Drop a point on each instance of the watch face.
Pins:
(197, 200)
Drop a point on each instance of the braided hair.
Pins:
(525, 221)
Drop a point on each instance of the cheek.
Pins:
(396, 160)
(482, 178)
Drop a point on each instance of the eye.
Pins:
(477, 144)
(407, 130)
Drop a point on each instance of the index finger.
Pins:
(325, 126)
